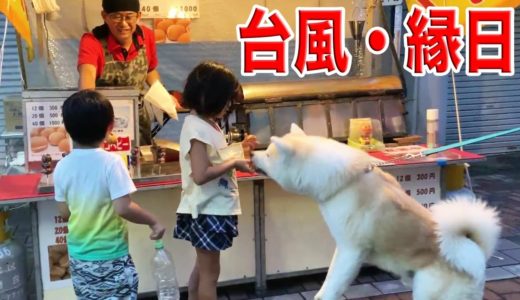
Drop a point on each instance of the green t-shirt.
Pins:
(88, 180)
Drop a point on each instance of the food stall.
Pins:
(278, 230)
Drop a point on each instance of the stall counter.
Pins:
(278, 230)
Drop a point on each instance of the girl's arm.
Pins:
(203, 171)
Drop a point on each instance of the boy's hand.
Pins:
(157, 231)
(243, 165)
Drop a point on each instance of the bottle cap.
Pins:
(159, 244)
(432, 114)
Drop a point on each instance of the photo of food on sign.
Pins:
(120, 122)
(50, 140)
(58, 262)
(172, 30)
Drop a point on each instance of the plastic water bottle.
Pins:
(164, 274)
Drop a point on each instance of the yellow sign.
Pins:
(464, 4)
(15, 12)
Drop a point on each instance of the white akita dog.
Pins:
(372, 220)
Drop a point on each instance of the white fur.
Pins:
(373, 220)
(463, 216)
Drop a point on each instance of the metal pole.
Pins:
(36, 251)
(22, 62)
(259, 219)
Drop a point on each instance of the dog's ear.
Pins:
(282, 146)
(295, 129)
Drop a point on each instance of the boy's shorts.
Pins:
(104, 279)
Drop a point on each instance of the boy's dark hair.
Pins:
(87, 115)
(209, 87)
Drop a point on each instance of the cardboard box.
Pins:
(13, 114)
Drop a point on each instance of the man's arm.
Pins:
(87, 77)
(152, 77)
(64, 211)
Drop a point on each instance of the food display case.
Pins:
(45, 135)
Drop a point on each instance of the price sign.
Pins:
(52, 232)
(123, 130)
(170, 9)
(46, 133)
(422, 183)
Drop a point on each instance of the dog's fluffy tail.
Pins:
(468, 231)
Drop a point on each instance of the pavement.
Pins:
(496, 180)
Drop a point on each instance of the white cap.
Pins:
(432, 114)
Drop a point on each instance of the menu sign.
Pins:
(170, 9)
(45, 130)
(123, 132)
(54, 259)
(46, 133)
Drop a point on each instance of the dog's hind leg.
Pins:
(342, 271)
(441, 283)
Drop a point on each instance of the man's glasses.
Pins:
(118, 18)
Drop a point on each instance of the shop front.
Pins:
(281, 234)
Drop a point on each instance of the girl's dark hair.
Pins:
(209, 87)
(87, 115)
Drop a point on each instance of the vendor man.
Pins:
(120, 53)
